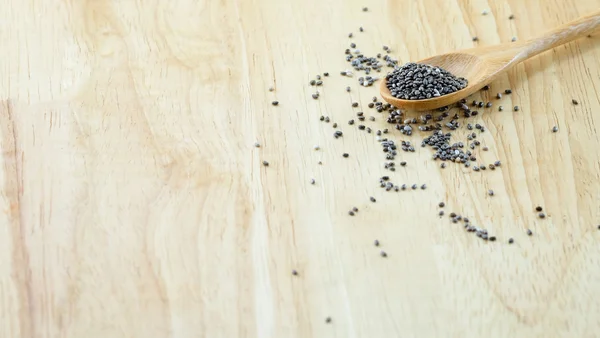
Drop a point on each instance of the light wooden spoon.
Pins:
(481, 65)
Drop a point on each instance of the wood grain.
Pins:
(136, 205)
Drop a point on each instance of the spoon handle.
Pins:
(563, 34)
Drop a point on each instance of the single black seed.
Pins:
(353, 45)
(355, 104)
(294, 272)
(442, 204)
(348, 89)
(349, 35)
(486, 87)
(373, 199)
(383, 254)
(500, 108)
(575, 102)
(498, 96)
(492, 238)
(475, 38)
(361, 29)
(315, 96)
(265, 163)
(443, 165)
(355, 209)
(516, 108)
(538, 208)
(275, 103)
(491, 192)
(441, 213)
(322, 118)
(529, 232)
(555, 129)
(365, 9)
(497, 163)
(511, 241)
(345, 154)
(312, 181)
(598, 227)
(312, 82)
(335, 126)
(351, 213)
(489, 104)
(424, 186)
(507, 91)
(376, 242)
(403, 163)
(326, 74)
(257, 145)
(328, 320)
(351, 122)
(480, 104)
(327, 119)
(541, 215)
(452, 214)
(511, 17)
(414, 187)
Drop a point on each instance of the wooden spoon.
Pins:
(481, 65)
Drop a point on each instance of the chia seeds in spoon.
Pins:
(414, 81)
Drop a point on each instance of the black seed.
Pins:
(575, 102)
(403, 163)
(452, 214)
(312, 181)
(516, 108)
(275, 103)
(500, 108)
(355, 209)
(489, 104)
(511, 17)
(351, 122)
(555, 129)
(442, 204)
(529, 232)
(322, 118)
(492, 238)
(475, 38)
(498, 96)
(373, 199)
(497, 163)
(335, 126)
(315, 96)
(345, 154)
(383, 254)
(365, 9)
(355, 104)
(507, 91)
(538, 208)
(312, 82)
(326, 74)
(265, 163)
(424, 186)
(376, 242)
(361, 29)
(541, 215)
(511, 241)
(486, 87)
(294, 272)
(441, 213)
(328, 320)
(351, 213)
(414, 187)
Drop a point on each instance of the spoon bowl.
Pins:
(482, 65)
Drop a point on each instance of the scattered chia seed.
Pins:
(511, 17)
(414, 81)
(475, 39)
(365, 9)
(484, 12)
(372, 199)
(529, 232)
(514, 38)
(497, 163)
(271, 89)
(507, 91)
(275, 103)
(351, 213)
(538, 208)
(328, 320)
(414, 187)
(294, 272)
(488, 105)
(491, 192)
(516, 108)
(383, 254)
(345, 154)
(492, 238)
(315, 96)
(500, 108)
(575, 102)
(312, 181)
(541, 215)
(354, 104)
(442, 204)
(555, 129)
(484, 148)
(355, 209)
(257, 145)
(498, 96)
(423, 187)
(376, 243)
(511, 241)
(265, 163)
(361, 29)
(441, 213)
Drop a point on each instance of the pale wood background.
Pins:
(135, 204)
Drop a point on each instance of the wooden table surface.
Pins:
(136, 204)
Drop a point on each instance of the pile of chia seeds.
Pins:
(414, 81)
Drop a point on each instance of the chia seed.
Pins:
(414, 81)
